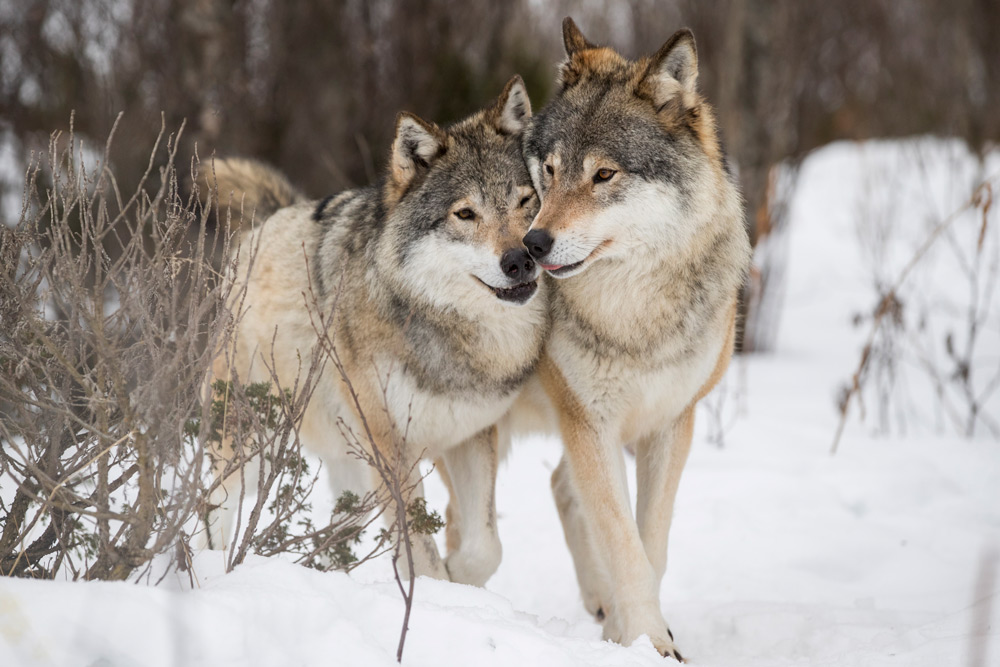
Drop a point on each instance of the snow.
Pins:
(781, 554)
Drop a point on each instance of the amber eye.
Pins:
(549, 169)
(465, 214)
(603, 175)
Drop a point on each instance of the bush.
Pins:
(113, 309)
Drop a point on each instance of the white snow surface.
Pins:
(780, 554)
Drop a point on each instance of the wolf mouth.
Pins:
(564, 269)
(516, 294)
(561, 269)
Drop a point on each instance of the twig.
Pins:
(391, 474)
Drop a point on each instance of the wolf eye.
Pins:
(465, 214)
(548, 168)
(603, 175)
(525, 199)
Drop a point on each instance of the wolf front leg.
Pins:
(470, 472)
(597, 473)
(224, 499)
(595, 587)
(399, 483)
(426, 558)
(396, 468)
(633, 607)
(660, 459)
(405, 476)
(235, 476)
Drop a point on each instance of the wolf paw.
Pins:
(474, 566)
(672, 651)
(427, 562)
(625, 629)
(666, 647)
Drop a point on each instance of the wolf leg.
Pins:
(452, 532)
(597, 469)
(348, 473)
(225, 498)
(472, 473)
(590, 574)
(371, 419)
(660, 458)
(221, 514)
(427, 560)
(633, 607)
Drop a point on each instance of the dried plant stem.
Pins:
(889, 298)
(393, 474)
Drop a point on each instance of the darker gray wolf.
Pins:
(440, 317)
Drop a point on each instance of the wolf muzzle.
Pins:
(538, 242)
(517, 265)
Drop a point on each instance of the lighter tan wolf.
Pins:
(641, 224)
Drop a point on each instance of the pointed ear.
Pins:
(570, 71)
(573, 39)
(417, 144)
(513, 108)
(674, 68)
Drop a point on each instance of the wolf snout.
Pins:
(517, 265)
(538, 242)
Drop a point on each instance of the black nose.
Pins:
(517, 265)
(538, 242)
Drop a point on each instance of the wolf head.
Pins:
(625, 159)
(459, 200)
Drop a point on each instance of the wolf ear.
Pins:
(573, 39)
(513, 108)
(674, 68)
(417, 144)
(570, 71)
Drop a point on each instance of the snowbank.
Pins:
(780, 554)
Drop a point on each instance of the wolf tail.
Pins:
(249, 190)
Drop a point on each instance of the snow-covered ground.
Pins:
(781, 554)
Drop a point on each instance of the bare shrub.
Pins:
(102, 360)
(941, 340)
(112, 313)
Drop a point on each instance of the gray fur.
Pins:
(441, 348)
(642, 225)
(592, 115)
(436, 337)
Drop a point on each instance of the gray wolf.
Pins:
(439, 312)
(641, 225)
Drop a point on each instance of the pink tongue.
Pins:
(552, 267)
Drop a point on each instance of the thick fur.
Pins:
(649, 262)
(413, 266)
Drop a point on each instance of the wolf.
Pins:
(439, 314)
(641, 226)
